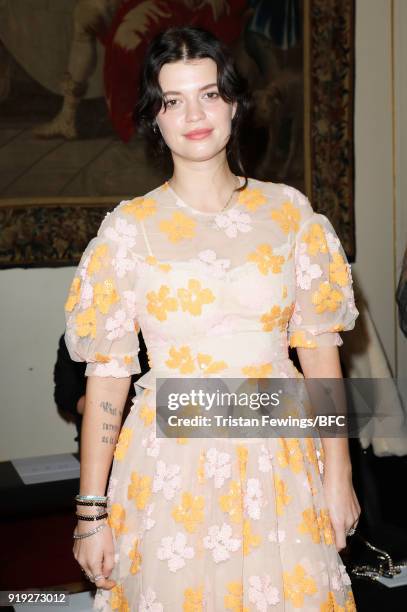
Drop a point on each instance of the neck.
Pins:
(206, 185)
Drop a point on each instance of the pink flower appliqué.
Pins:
(217, 466)
(167, 479)
(306, 271)
(174, 550)
(148, 602)
(233, 222)
(262, 593)
(220, 542)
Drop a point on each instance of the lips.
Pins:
(198, 134)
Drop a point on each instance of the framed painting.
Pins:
(69, 151)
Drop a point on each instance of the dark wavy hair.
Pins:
(188, 43)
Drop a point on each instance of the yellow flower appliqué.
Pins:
(338, 271)
(147, 415)
(286, 314)
(74, 292)
(350, 605)
(325, 525)
(86, 323)
(117, 519)
(299, 339)
(259, 371)
(311, 453)
(234, 599)
(291, 455)
(249, 538)
(282, 497)
(141, 208)
(178, 227)
(208, 365)
(96, 259)
(118, 600)
(181, 359)
(135, 555)
(160, 303)
(193, 298)
(297, 585)
(100, 358)
(139, 489)
(265, 260)
(242, 455)
(104, 295)
(327, 298)
(123, 442)
(193, 600)
(287, 217)
(315, 239)
(152, 261)
(331, 605)
(190, 511)
(309, 525)
(277, 317)
(232, 502)
(271, 318)
(251, 198)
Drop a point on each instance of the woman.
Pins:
(221, 273)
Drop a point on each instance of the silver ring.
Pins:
(98, 577)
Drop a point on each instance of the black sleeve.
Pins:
(69, 379)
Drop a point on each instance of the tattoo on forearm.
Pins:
(110, 427)
(108, 408)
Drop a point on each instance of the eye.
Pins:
(171, 103)
(212, 95)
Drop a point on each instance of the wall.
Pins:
(32, 320)
(32, 307)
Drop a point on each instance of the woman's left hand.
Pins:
(343, 506)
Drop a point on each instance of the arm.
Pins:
(105, 399)
(343, 506)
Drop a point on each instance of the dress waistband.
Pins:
(216, 356)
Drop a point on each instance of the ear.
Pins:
(234, 109)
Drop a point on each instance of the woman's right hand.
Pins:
(95, 554)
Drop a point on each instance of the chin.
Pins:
(203, 157)
(205, 154)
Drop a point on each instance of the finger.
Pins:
(108, 564)
(104, 583)
(101, 579)
(340, 538)
(87, 572)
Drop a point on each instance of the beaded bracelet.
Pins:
(80, 536)
(92, 517)
(91, 497)
(91, 503)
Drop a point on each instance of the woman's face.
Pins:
(196, 122)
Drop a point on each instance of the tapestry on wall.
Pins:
(69, 151)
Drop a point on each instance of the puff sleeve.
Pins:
(101, 322)
(324, 298)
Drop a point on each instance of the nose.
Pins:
(194, 111)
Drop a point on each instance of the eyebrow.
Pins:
(178, 93)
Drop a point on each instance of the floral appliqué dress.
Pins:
(214, 524)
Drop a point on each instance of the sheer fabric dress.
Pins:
(204, 524)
